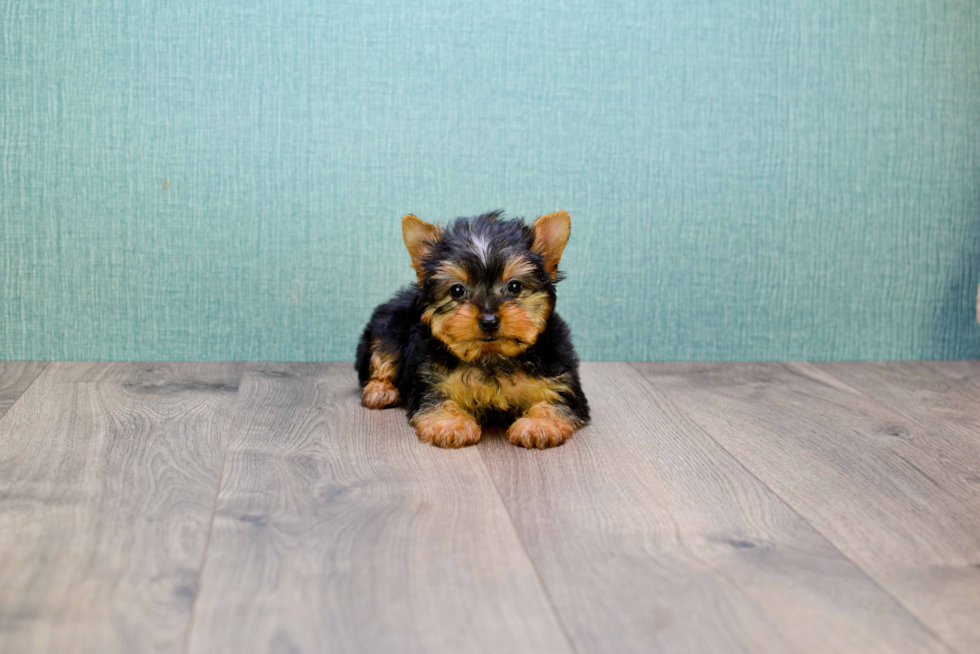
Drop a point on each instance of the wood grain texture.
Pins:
(651, 538)
(881, 487)
(337, 531)
(939, 398)
(965, 374)
(108, 475)
(15, 377)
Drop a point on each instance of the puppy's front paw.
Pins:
(538, 432)
(380, 395)
(447, 426)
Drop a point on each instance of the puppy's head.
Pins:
(488, 285)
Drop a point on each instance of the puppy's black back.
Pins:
(390, 326)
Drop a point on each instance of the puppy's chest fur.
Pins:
(479, 389)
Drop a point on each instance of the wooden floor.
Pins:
(212, 508)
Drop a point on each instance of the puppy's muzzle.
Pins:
(489, 323)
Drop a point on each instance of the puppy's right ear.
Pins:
(419, 238)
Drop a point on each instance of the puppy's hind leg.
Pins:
(379, 391)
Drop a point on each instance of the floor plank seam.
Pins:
(893, 409)
(214, 512)
(527, 553)
(792, 508)
(959, 382)
(44, 368)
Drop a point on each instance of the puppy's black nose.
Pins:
(489, 322)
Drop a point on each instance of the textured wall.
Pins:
(753, 179)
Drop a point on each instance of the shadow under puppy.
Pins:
(477, 340)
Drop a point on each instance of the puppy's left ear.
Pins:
(550, 236)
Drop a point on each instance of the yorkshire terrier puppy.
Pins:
(477, 340)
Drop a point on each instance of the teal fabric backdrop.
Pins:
(752, 179)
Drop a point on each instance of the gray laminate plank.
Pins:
(108, 475)
(933, 395)
(871, 480)
(966, 374)
(650, 538)
(337, 531)
(15, 377)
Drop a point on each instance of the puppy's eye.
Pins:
(457, 291)
(514, 287)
